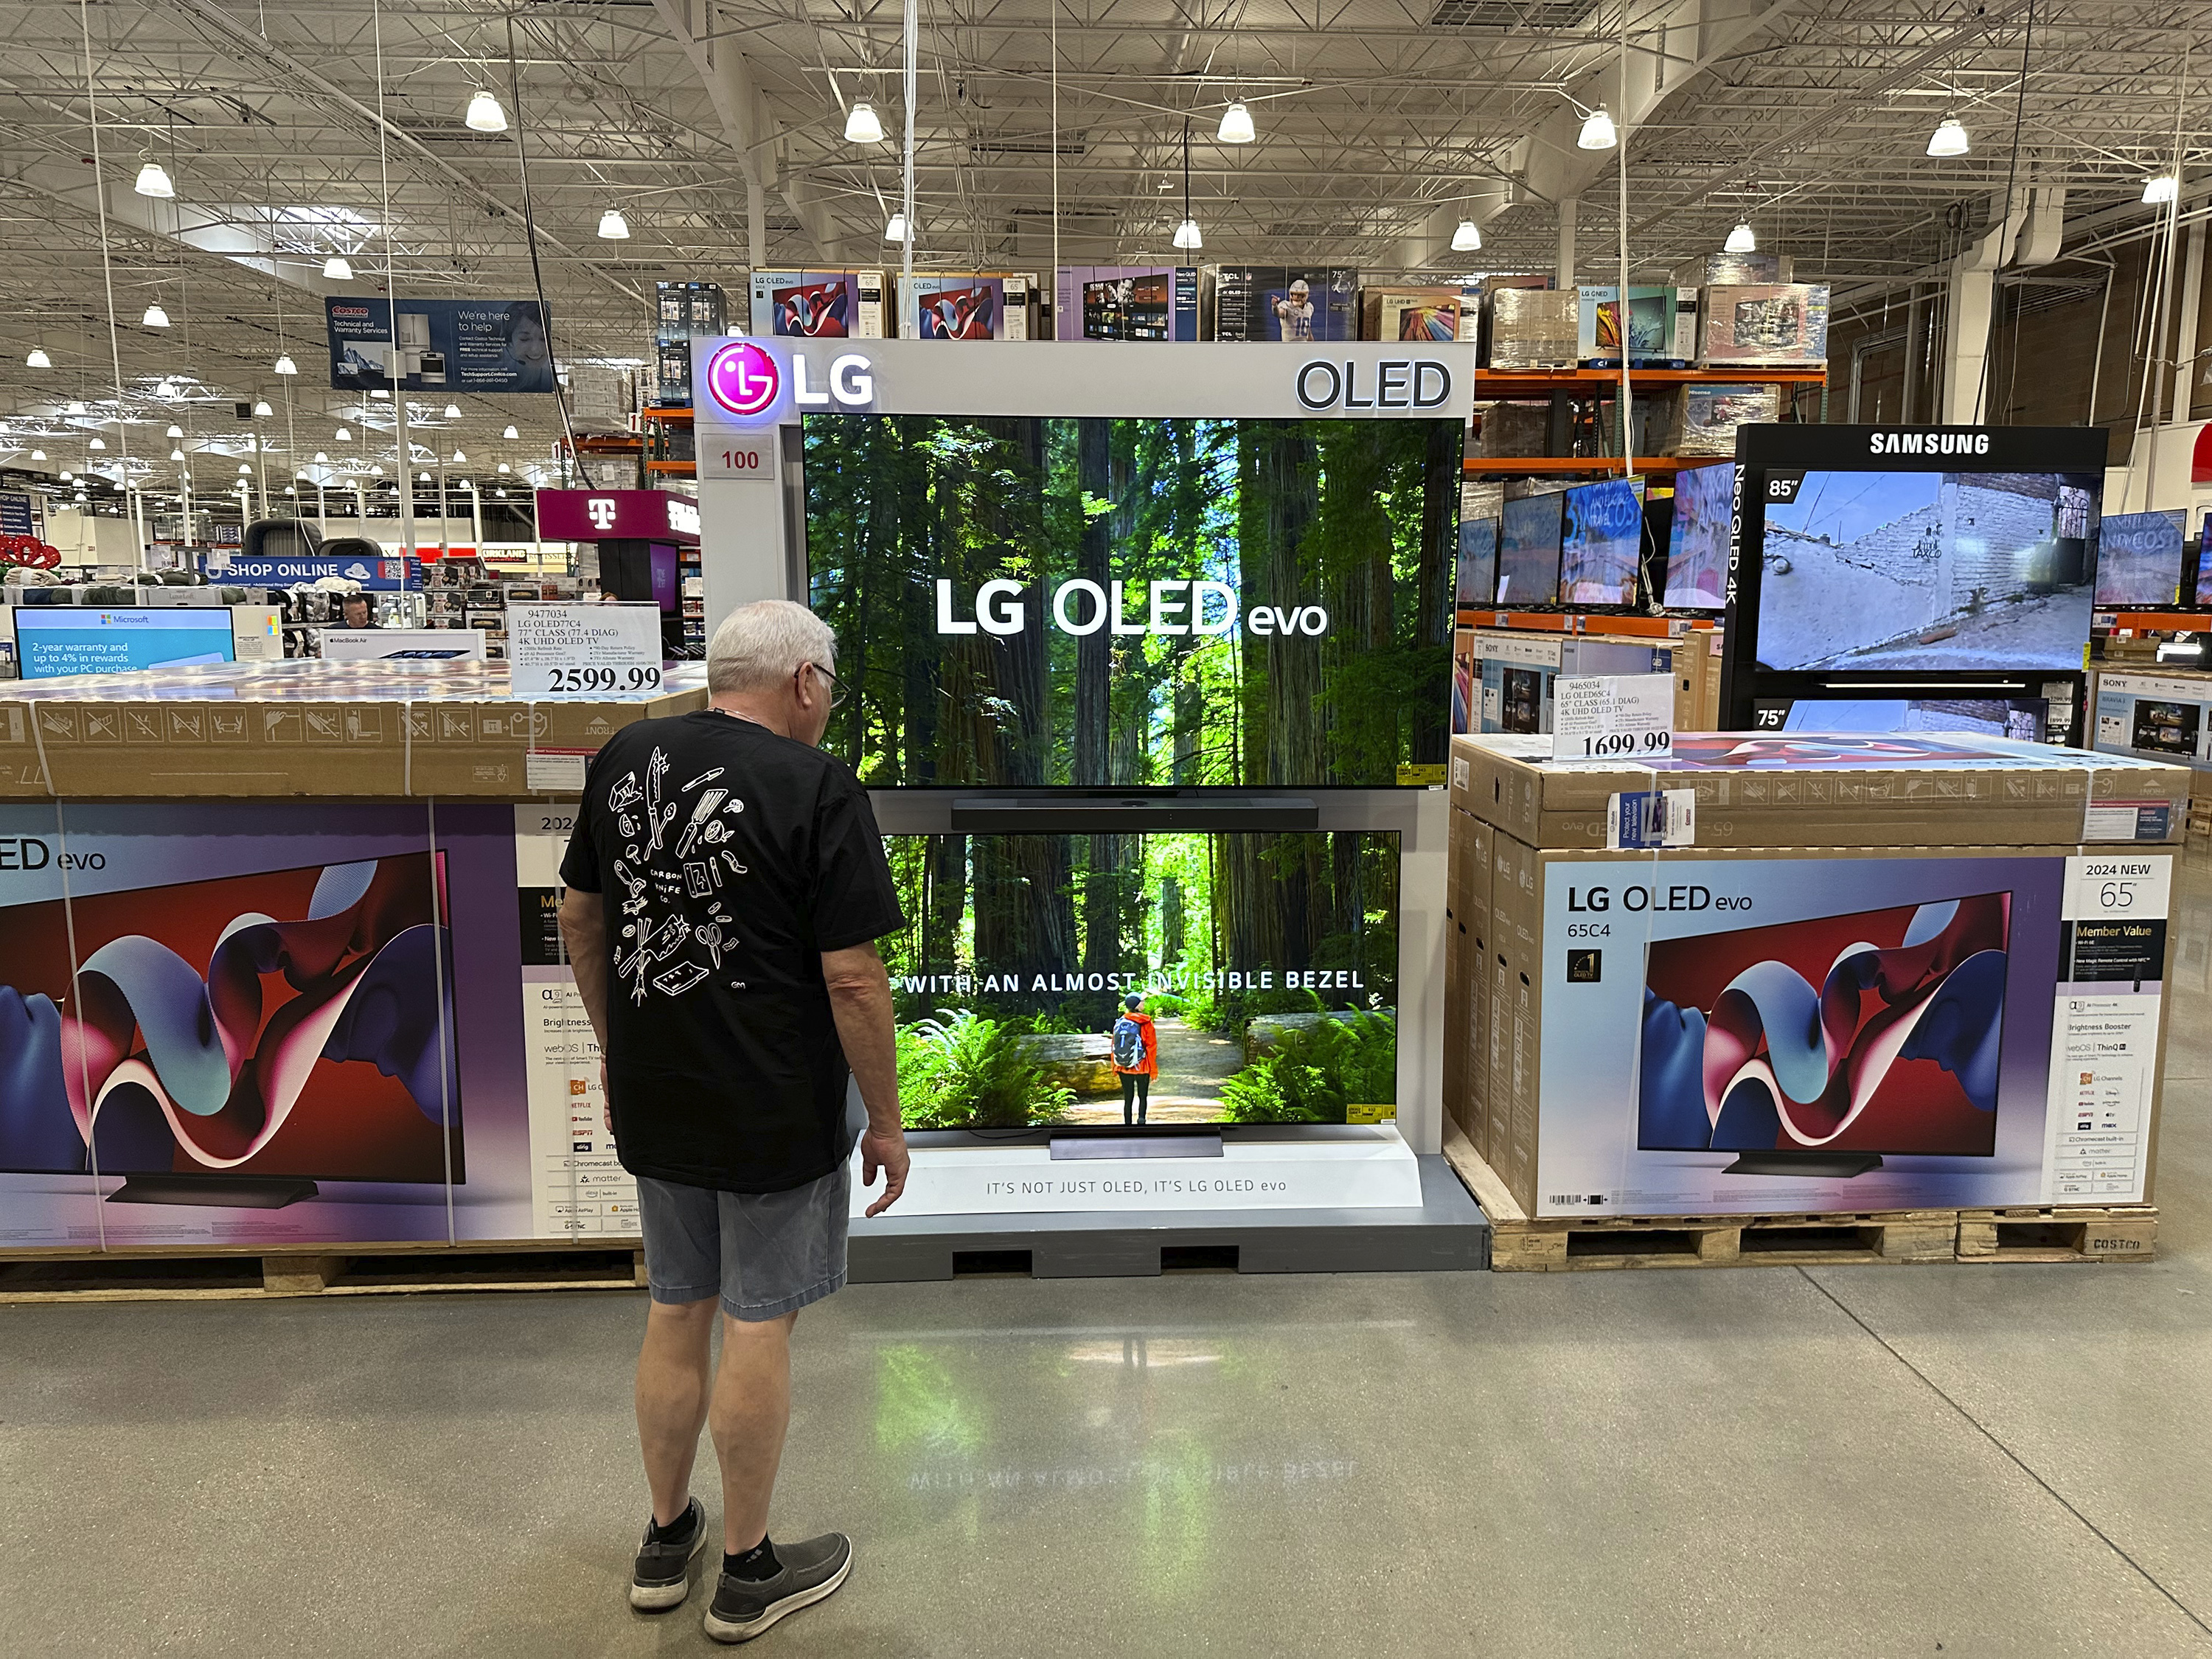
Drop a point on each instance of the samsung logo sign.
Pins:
(1396, 383)
(1927, 443)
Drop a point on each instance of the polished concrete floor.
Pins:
(1868, 1462)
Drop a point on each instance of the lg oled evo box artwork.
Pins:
(250, 1024)
(1113, 980)
(1108, 603)
(819, 305)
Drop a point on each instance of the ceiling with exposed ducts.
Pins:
(296, 131)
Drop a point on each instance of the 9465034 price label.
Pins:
(1629, 717)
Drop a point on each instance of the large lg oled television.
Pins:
(1264, 968)
(1129, 602)
(297, 1023)
(1875, 1032)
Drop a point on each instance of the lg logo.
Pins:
(600, 509)
(743, 378)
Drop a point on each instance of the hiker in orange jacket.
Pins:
(1136, 1058)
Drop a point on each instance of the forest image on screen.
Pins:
(1263, 968)
(1111, 602)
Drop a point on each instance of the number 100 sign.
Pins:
(598, 650)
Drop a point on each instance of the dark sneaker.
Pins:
(663, 1578)
(744, 1608)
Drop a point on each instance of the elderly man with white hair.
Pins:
(726, 885)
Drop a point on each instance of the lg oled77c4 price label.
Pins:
(590, 650)
(1625, 717)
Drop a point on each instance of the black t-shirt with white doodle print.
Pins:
(730, 858)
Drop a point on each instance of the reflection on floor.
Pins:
(1760, 1462)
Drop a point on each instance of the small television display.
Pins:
(1946, 571)
(294, 1023)
(2201, 585)
(58, 640)
(1137, 308)
(1475, 590)
(1878, 1032)
(1698, 540)
(2139, 558)
(1116, 603)
(1466, 686)
(1601, 541)
(2166, 727)
(1529, 550)
(1119, 980)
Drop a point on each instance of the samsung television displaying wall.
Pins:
(1911, 561)
(1264, 968)
(1116, 603)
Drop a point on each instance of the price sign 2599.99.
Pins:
(643, 677)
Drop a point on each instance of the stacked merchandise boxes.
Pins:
(1286, 302)
(600, 398)
(1805, 972)
(819, 305)
(1702, 420)
(1766, 325)
(1428, 315)
(684, 312)
(967, 305)
(1134, 302)
(1657, 336)
(1514, 673)
(2157, 716)
(1530, 328)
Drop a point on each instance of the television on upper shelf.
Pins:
(1136, 603)
(1798, 1044)
(1529, 549)
(1697, 538)
(1602, 543)
(239, 1037)
(2139, 557)
(1475, 593)
(1263, 968)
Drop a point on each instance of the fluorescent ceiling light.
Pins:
(1949, 138)
(2161, 190)
(153, 180)
(1741, 241)
(484, 113)
(861, 126)
(38, 359)
(155, 317)
(338, 269)
(285, 366)
(1236, 124)
(613, 227)
(1467, 238)
(1187, 235)
(1597, 131)
(896, 230)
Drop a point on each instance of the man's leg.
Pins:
(674, 1379)
(1128, 1097)
(751, 1410)
(1144, 1096)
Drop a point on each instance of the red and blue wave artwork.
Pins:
(320, 1045)
(1877, 1031)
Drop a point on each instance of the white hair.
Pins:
(760, 645)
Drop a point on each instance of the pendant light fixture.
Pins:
(2159, 190)
(38, 454)
(1236, 124)
(338, 269)
(510, 433)
(153, 180)
(613, 227)
(38, 359)
(285, 366)
(1949, 138)
(1187, 235)
(504, 467)
(97, 443)
(344, 435)
(458, 456)
(1741, 241)
(176, 454)
(861, 124)
(484, 113)
(1597, 131)
(155, 317)
(895, 230)
(176, 432)
(1467, 238)
(262, 411)
(453, 411)
(321, 459)
(76, 406)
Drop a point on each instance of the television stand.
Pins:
(1819, 1166)
(1135, 1146)
(218, 1191)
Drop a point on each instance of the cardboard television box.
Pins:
(819, 305)
(1516, 672)
(2158, 716)
(1761, 1030)
(1529, 328)
(1652, 327)
(1286, 302)
(1132, 302)
(1770, 325)
(1430, 315)
(361, 731)
(967, 305)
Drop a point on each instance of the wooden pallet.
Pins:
(1521, 1243)
(150, 1276)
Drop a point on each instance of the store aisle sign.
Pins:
(1624, 718)
(596, 650)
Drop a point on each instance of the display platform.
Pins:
(1444, 1231)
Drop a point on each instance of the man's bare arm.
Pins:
(860, 999)
(584, 930)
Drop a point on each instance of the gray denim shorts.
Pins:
(764, 1253)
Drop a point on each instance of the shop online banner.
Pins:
(444, 345)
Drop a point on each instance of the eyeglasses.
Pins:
(836, 686)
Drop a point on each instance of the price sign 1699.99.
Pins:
(1626, 745)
